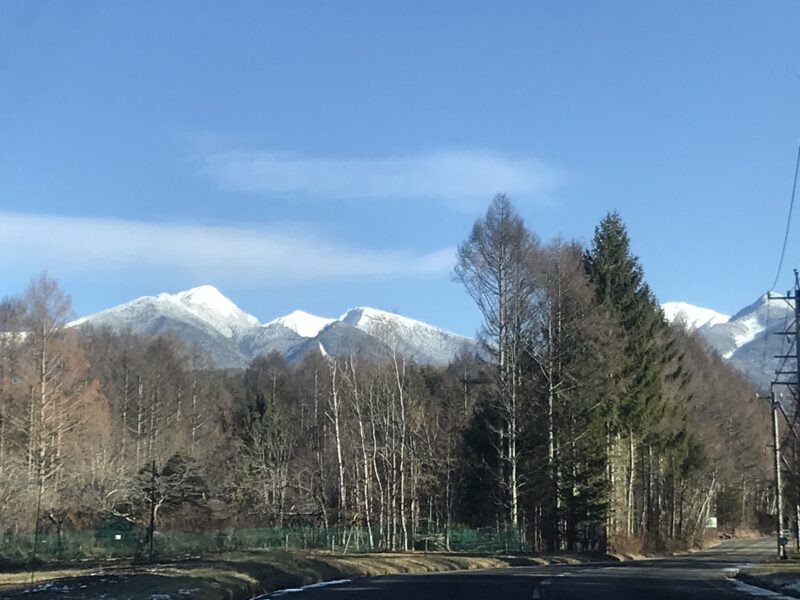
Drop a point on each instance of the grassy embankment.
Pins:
(237, 575)
(242, 575)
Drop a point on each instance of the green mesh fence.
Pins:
(111, 542)
(73, 545)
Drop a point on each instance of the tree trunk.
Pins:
(630, 483)
(337, 432)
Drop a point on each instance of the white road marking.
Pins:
(537, 591)
(538, 594)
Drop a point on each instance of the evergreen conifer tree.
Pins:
(628, 301)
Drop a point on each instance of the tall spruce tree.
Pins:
(625, 297)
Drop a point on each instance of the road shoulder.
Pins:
(780, 578)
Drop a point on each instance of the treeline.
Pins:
(606, 426)
(584, 421)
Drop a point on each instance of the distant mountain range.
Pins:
(746, 339)
(233, 338)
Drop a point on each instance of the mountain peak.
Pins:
(302, 323)
(360, 315)
(373, 319)
(202, 292)
(692, 317)
(381, 323)
(209, 297)
(759, 307)
(746, 339)
(354, 314)
(209, 304)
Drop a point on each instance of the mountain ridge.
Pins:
(204, 316)
(746, 339)
(692, 316)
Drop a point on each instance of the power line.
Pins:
(766, 337)
(788, 221)
(780, 373)
(783, 255)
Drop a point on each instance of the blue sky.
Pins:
(323, 155)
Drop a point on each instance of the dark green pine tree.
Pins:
(629, 303)
(621, 291)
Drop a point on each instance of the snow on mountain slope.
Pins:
(201, 316)
(756, 341)
(204, 303)
(375, 321)
(410, 337)
(754, 318)
(204, 317)
(207, 303)
(691, 316)
(302, 323)
(264, 339)
(137, 314)
(339, 340)
(747, 326)
(746, 339)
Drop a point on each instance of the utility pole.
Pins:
(776, 445)
(796, 394)
(776, 453)
(790, 379)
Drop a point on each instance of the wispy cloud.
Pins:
(452, 176)
(279, 255)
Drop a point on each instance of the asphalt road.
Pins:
(700, 576)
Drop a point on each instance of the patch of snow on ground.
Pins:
(326, 584)
(311, 586)
(757, 591)
(52, 586)
(793, 587)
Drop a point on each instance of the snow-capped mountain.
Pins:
(692, 317)
(416, 339)
(302, 323)
(746, 339)
(208, 304)
(232, 337)
(204, 304)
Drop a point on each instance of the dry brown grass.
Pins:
(46, 574)
(242, 575)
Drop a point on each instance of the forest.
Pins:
(585, 422)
